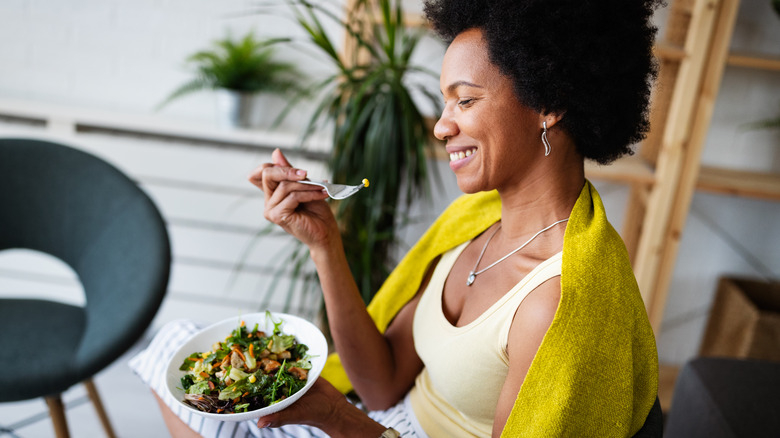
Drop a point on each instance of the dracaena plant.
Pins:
(379, 130)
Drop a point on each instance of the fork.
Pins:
(337, 191)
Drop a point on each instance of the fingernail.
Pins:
(263, 424)
(300, 172)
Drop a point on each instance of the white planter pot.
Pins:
(235, 109)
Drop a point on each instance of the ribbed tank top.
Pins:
(456, 393)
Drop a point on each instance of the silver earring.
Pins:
(547, 147)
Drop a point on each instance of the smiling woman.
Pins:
(524, 269)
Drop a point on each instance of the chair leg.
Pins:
(57, 413)
(95, 397)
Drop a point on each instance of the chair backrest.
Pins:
(75, 206)
(654, 423)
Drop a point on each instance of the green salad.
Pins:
(248, 370)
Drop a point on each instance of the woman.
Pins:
(517, 312)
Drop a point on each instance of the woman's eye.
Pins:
(465, 102)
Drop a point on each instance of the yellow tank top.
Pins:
(456, 393)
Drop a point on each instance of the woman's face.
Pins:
(493, 140)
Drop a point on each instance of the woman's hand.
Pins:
(324, 407)
(300, 209)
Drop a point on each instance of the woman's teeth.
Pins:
(461, 155)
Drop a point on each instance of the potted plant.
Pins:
(378, 130)
(239, 70)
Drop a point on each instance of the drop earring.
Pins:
(547, 147)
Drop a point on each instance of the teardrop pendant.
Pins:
(471, 279)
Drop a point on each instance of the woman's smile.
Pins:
(459, 157)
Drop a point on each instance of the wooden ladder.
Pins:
(691, 60)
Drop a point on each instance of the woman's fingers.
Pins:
(284, 202)
(279, 159)
(273, 177)
(268, 177)
(284, 171)
(317, 406)
(287, 188)
(256, 177)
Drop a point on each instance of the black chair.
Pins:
(78, 208)
(718, 397)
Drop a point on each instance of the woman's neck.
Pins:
(543, 198)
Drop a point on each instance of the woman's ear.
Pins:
(550, 118)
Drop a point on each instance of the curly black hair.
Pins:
(588, 60)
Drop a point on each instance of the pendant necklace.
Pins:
(473, 274)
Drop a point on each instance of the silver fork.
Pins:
(337, 191)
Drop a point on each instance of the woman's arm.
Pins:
(381, 367)
(531, 321)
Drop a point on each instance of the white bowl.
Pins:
(304, 331)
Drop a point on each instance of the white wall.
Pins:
(125, 56)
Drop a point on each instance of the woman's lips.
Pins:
(460, 157)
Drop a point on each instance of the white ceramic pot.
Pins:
(235, 109)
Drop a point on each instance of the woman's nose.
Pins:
(445, 127)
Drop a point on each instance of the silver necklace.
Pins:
(473, 274)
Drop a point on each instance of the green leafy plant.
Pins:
(378, 129)
(768, 124)
(245, 65)
(773, 123)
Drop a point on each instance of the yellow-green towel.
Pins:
(596, 371)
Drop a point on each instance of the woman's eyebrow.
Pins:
(456, 84)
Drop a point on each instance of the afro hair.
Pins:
(591, 61)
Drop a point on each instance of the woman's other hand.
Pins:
(300, 209)
(324, 407)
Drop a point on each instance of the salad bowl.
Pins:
(304, 331)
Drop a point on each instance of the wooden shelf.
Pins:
(739, 183)
(669, 52)
(633, 170)
(759, 62)
(629, 169)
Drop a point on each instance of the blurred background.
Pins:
(91, 74)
